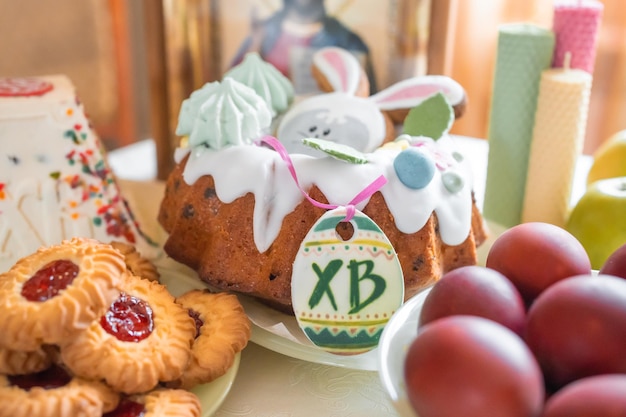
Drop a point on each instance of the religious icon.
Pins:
(388, 37)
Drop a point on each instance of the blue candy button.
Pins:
(414, 168)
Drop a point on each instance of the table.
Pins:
(269, 383)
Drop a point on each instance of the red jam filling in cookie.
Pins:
(50, 280)
(53, 377)
(129, 319)
(127, 408)
(196, 318)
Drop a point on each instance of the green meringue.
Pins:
(190, 107)
(233, 114)
(269, 83)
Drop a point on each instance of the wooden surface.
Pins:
(158, 79)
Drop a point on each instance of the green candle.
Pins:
(524, 51)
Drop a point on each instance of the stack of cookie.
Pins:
(87, 329)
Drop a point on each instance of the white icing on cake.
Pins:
(262, 172)
(54, 180)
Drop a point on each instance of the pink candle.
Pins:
(575, 26)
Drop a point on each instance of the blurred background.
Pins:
(133, 61)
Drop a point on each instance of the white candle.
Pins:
(558, 138)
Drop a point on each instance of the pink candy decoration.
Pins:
(350, 209)
(575, 26)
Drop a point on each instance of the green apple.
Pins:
(609, 160)
(598, 220)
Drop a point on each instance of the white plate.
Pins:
(402, 329)
(270, 328)
(280, 332)
(394, 343)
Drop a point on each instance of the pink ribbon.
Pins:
(350, 207)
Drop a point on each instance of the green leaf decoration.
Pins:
(337, 150)
(55, 175)
(432, 118)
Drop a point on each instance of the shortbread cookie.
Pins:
(223, 330)
(144, 338)
(19, 362)
(54, 393)
(57, 291)
(136, 263)
(161, 403)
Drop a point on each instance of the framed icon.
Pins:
(389, 37)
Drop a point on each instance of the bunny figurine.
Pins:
(343, 115)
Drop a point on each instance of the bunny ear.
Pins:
(409, 93)
(339, 67)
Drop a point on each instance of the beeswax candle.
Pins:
(523, 52)
(558, 138)
(576, 24)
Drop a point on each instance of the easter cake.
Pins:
(55, 182)
(239, 201)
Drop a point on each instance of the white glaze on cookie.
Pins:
(409, 93)
(350, 120)
(340, 68)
